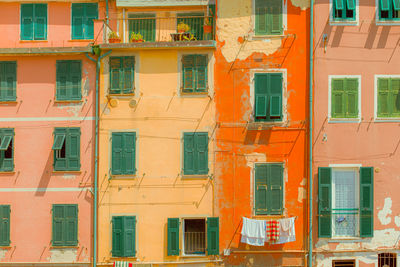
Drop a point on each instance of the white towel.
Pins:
(253, 232)
(287, 231)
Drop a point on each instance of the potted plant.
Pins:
(207, 27)
(113, 37)
(183, 27)
(136, 38)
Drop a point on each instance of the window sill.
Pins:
(121, 96)
(7, 172)
(265, 124)
(194, 256)
(195, 176)
(122, 257)
(266, 217)
(75, 172)
(81, 40)
(6, 247)
(343, 23)
(344, 239)
(387, 22)
(6, 102)
(344, 120)
(122, 176)
(67, 101)
(33, 41)
(60, 247)
(387, 119)
(262, 37)
(184, 94)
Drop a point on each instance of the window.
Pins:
(123, 236)
(66, 148)
(65, 225)
(145, 24)
(4, 225)
(194, 74)
(68, 80)
(344, 9)
(122, 70)
(8, 80)
(389, 9)
(123, 153)
(345, 202)
(388, 97)
(268, 199)
(268, 96)
(344, 98)
(83, 15)
(195, 153)
(268, 17)
(195, 21)
(387, 260)
(6, 150)
(343, 263)
(199, 236)
(33, 21)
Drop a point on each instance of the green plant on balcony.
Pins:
(113, 37)
(183, 27)
(136, 38)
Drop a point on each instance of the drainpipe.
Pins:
(310, 141)
(107, 12)
(96, 154)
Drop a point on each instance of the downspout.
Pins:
(107, 18)
(310, 141)
(96, 154)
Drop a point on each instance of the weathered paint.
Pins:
(241, 143)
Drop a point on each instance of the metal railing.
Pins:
(195, 242)
(346, 222)
(146, 28)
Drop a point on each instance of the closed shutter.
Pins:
(383, 97)
(173, 236)
(324, 202)
(189, 72)
(129, 236)
(201, 73)
(188, 154)
(27, 21)
(366, 201)
(129, 144)
(40, 21)
(337, 105)
(5, 225)
(116, 75)
(77, 21)
(275, 17)
(117, 236)
(261, 82)
(62, 70)
(143, 24)
(261, 174)
(352, 98)
(213, 236)
(116, 158)
(395, 97)
(128, 63)
(73, 149)
(91, 13)
(75, 77)
(8, 81)
(58, 225)
(275, 189)
(261, 17)
(70, 225)
(275, 86)
(201, 155)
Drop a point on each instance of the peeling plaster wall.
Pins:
(63, 255)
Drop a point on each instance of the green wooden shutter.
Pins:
(5, 225)
(58, 225)
(173, 236)
(116, 157)
(40, 21)
(60, 164)
(73, 149)
(128, 82)
(261, 82)
(384, 5)
(352, 98)
(27, 21)
(366, 201)
(75, 77)
(337, 100)
(117, 236)
(201, 73)
(129, 144)
(396, 5)
(8, 80)
(261, 174)
(275, 189)
(338, 4)
(62, 69)
(324, 202)
(90, 14)
(116, 75)
(351, 5)
(275, 100)
(143, 24)
(129, 248)
(383, 97)
(188, 154)
(70, 231)
(213, 236)
(189, 73)
(395, 97)
(261, 17)
(275, 17)
(6, 164)
(201, 154)
(77, 21)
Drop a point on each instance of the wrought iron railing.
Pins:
(345, 222)
(195, 243)
(147, 28)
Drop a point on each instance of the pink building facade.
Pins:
(357, 104)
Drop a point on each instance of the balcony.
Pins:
(146, 31)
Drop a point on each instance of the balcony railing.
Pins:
(195, 243)
(138, 29)
(345, 222)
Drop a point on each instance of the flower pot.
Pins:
(114, 40)
(181, 31)
(207, 28)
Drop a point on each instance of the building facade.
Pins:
(355, 142)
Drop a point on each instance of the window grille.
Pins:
(344, 263)
(387, 260)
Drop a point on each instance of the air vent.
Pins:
(344, 263)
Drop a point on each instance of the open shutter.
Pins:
(275, 87)
(261, 17)
(201, 73)
(173, 236)
(5, 225)
(129, 236)
(383, 97)
(129, 142)
(351, 98)
(396, 5)
(189, 73)
(339, 4)
(275, 17)
(394, 97)
(59, 139)
(62, 70)
(128, 85)
(366, 201)
(77, 21)
(117, 236)
(90, 14)
(261, 82)
(40, 21)
(27, 21)
(188, 154)
(324, 202)
(58, 225)
(5, 140)
(337, 100)
(261, 203)
(275, 189)
(201, 159)
(116, 158)
(384, 5)
(213, 236)
(60, 164)
(75, 77)
(351, 5)
(116, 75)
(71, 225)
(73, 149)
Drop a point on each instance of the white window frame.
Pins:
(341, 120)
(380, 22)
(334, 22)
(182, 219)
(376, 118)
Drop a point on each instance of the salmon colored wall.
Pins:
(242, 143)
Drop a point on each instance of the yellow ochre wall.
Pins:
(161, 115)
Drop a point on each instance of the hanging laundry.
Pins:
(122, 264)
(287, 231)
(253, 232)
(272, 230)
